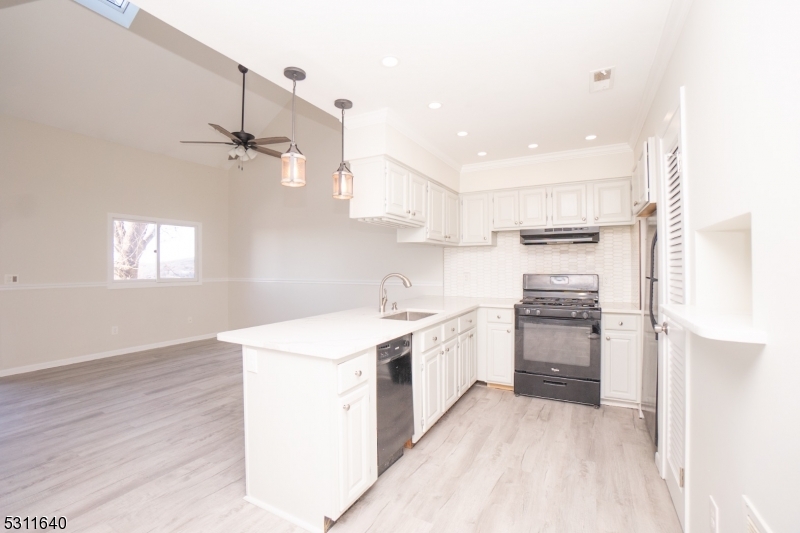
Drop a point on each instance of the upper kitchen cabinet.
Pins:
(452, 218)
(388, 194)
(569, 205)
(505, 207)
(644, 189)
(533, 207)
(435, 229)
(475, 228)
(612, 201)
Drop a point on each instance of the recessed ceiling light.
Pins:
(390, 61)
(533, 145)
(591, 137)
(434, 105)
(462, 134)
(481, 154)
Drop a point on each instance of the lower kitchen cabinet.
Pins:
(465, 353)
(621, 359)
(450, 386)
(432, 395)
(500, 354)
(354, 445)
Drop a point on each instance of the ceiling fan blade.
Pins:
(262, 150)
(271, 140)
(206, 142)
(226, 133)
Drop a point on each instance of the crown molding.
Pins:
(390, 118)
(597, 151)
(673, 27)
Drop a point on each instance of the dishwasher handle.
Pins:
(394, 357)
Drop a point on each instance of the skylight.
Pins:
(120, 11)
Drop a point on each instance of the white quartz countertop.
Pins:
(337, 335)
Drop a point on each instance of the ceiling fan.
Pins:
(245, 145)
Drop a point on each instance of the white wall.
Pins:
(496, 271)
(740, 66)
(295, 252)
(56, 196)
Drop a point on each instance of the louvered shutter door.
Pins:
(675, 240)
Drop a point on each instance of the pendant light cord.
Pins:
(342, 135)
(294, 86)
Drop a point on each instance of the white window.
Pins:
(150, 251)
(120, 11)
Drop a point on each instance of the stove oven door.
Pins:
(569, 348)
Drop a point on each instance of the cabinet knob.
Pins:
(435, 339)
(447, 349)
(583, 218)
(620, 322)
(452, 329)
(498, 316)
(597, 218)
(408, 211)
(508, 331)
(484, 238)
(414, 213)
(471, 335)
(470, 321)
(358, 373)
(346, 407)
(608, 338)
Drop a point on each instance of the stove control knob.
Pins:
(527, 311)
(574, 314)
(538, 312)
(585, 314)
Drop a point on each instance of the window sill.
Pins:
(151, 284)
(715, 325)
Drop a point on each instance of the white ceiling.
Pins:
(148, 87)
(510, 72)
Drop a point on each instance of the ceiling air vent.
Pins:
(602, 79)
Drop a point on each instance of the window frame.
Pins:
(158, 281)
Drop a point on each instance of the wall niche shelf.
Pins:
(715, 325)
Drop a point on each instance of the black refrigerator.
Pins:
(650, 354)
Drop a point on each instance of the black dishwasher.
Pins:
(395, 403)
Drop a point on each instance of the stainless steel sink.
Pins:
(410, 316)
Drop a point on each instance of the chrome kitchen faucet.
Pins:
(382, 291)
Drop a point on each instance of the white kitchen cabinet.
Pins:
(396, 190)
(644, 189)
(621, 354)
(432, 395)
(450, 385)
(500, 354)
(505, 210)
(384, 193)
(464, 361)
(475, 228)
(619, 382)
(612, 201)
(417, 197)
(472, 375)
(452, 218)
(569, 205)
(354, 445)
(437, 201)
(533, 207)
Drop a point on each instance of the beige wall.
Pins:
(56, 196)
(740, 67)
(295, 252)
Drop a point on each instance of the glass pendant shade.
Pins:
(343, 183)
(293, 168)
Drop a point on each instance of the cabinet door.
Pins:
(533, 207)
(473, 357)
(464, 357)
(452, 230)
(475, 219)
(500, 356)
(396, 190)
(450, 385)
(417, 197)
(506, 205)
(436, 213)
(612, 201)
(432, 387)
(640, 183)
(620, 368)
(355, 467)
(569, 205)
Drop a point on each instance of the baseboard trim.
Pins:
(101, 355)
(283, 514)
(619, 403)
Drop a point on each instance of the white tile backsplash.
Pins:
(496, 271)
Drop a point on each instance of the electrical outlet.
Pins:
(114, 330)
(713, 512)
(189, 320)
(12, 278)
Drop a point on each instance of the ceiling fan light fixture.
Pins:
(240, 150)
(232, 153)
(293, 162)
(251, 153)
(343, 177)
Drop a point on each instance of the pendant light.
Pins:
(343, 178)
(293, 162)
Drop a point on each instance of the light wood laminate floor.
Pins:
(154, 442)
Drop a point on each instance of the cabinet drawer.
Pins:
(431, 337)
(467, 321)
(621, 322)
(450, 329)
(353, 372)
(504, 316)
